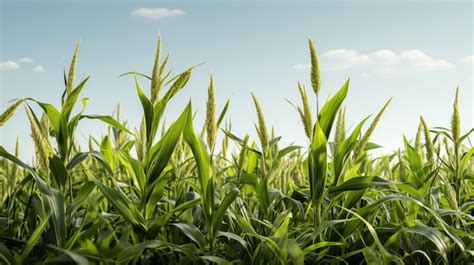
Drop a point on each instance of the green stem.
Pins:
(317, 107)
(317, 213)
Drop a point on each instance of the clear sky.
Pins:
(415, 52)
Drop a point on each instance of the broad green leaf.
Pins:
(107, 119)
(432, 234)
(123, 205)
(359, 183)
(80, 157)
(192, 232)
(59, 172)
(166, 146)
(220, 213)
(71, 98)
(234, 237)
(205, 176)
(317, 164)
(329, 110)
(56, 206)
(147, 109)
(35, 236)
(344, 150)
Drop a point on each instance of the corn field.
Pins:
(163, 193)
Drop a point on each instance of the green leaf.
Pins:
(81, 197)
(160, 106)
(138, 171)
(295, 252)
(372, 257)
(329, 110)
(415, 164)
(165, 147)
(107, 119)
(386, 256)
(35, 236)
(222, 115)
(317, 164)
(59, 172)
(135, 73)
(344, 150)
(41, 184)
(359, 183)
(220, 213)
(432, 234)
(318, 245)
(235, 237)
(56, 206)
(203, 164)
(80, 157)
(287, 150)
(466, 158)
(57, 121)
(147, 109)
(133, 251)
(192, 232)
(350, 227)
(246, 226)
(8, 256)
(71, 98)
(123, 205)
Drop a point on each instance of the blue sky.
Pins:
(415, 52)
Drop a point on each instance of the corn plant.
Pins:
(166, 193)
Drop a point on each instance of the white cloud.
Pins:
(9, 65)
(39, 69)
(343, 59)
(26, 60)
(381, 61)
(157, 13)
(467, 60)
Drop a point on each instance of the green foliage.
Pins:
(166, 195)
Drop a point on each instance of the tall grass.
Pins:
(165, 194)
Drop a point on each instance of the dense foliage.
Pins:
(164, 194)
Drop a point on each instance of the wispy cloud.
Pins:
(468, 59)
(26, 60)
(9, 65)
(157, 13)
(16, 65)
(381, 61)
(39, 69)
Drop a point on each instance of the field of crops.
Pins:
(164, 193)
